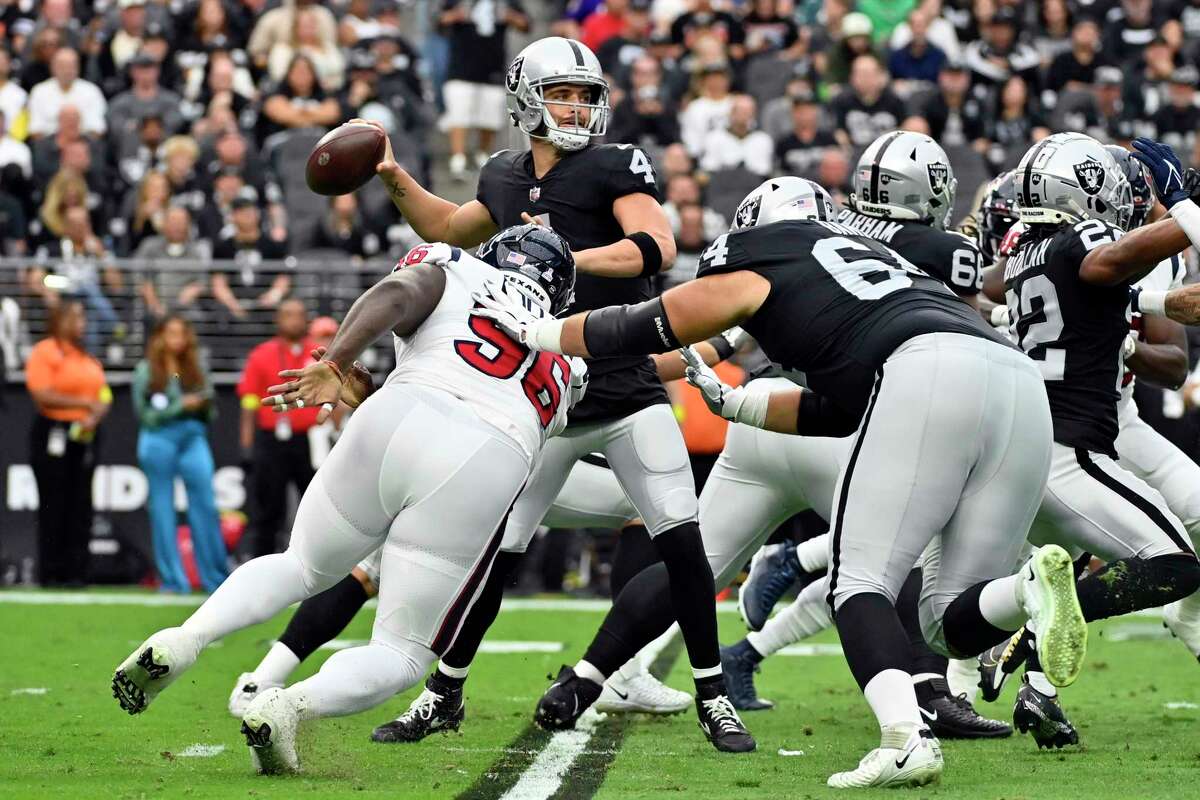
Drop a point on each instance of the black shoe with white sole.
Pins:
(720, 721)
(438, 708)
(953, 717)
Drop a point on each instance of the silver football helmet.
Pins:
(783, 198)
(547, 62)
(1069, 177)
(905, 175)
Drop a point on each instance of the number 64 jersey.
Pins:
(525, 393)
(840, 303)
(1071, 329)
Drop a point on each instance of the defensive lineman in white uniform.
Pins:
(465, 413)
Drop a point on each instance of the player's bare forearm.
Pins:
(435, 219)
(621, 259)
(399, 303)
(637, 213)
(783, 411)
(1183, 304)
(1134, 254)
(1162, 358)
(993, 282)
(670, 366)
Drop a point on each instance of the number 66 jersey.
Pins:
(1073, 330)
(840, 303)
(525, 393)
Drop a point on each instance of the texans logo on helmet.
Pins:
(512, 78)
(747, 212)
(939, 175)
(1090, 174)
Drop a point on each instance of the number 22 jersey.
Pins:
(525, 393)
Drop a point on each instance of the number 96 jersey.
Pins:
(525, 393)
(1071, 329)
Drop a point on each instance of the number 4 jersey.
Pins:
(1073, 330)
(524, 393)
(840, 303)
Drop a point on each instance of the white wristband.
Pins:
(1153, 304)
(1187, 214)
(546, 335)
(753, 408)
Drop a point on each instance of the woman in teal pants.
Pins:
(173, 400)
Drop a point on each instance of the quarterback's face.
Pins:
(565, 103)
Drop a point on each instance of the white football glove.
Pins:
(732, 403)
(506, 307)
(577, 388)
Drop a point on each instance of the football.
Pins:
(344, 159)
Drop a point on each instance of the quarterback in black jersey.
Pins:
(951, 440)
(603, 200)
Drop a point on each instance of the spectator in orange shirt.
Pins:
(68, 387)
(274, 445)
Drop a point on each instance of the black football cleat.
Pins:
(438, 708)
(952, 717)
(1042, 716)
(1000, 662)
(720, 721)
(565, 701)
(739, 666)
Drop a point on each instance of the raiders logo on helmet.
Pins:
(1090, 174)
(746, 215)
(939, 174)
(512, 78)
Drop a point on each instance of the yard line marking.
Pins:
(34, 690)
(1178, 704)
(542, 778)
(811, 650)
(500, 646)
(202, 751)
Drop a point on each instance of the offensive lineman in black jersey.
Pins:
(602, 199)
(1067, 282)
(952, 443)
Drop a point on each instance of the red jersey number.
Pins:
(498, 356)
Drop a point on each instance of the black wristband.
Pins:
(1135, 294)
(722, 346)
(651, 254)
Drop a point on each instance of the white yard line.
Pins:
(202, 751)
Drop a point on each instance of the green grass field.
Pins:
(1137, 706)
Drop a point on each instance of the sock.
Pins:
(585, 670)
(873, 640)
(323, 616)
(1131, 584)
(693, 592)
(1189, 608)
(805, 616)
(1039, 681)
(922, 677)
(483, 613)
(965, 629)
(962, 675)
(814, 553)
(642, 612)
(999, 605)
(702, 675)
(277, 665)
(634, 552)
(453, 676)
(255, 592)
(924, 660)
(358, 679)
(891, 696)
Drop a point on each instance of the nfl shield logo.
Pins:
(1090, 174)
(534, 194)
(747, 213)
(938, 175)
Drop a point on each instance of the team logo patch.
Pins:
(1090, 174)
(535, 193)
(512, 78)
(747, 213)
(939, 176)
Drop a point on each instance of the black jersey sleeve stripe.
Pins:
(875, 165)
(1084, 458)
(843, 496)
(578, 53)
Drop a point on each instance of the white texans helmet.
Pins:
(1070, 177)
(905, 175)
(548, 62)
(784, 198)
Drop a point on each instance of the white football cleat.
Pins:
(247, 688)
(152, 667)
(1046, 592)
(1187, 631)
(642, 693)
(908, 755)
(270, 729)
